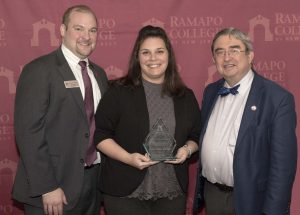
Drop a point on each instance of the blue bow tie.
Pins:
(224, 91)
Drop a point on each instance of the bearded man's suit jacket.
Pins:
(265, 157)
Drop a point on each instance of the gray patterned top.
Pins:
(160, 180)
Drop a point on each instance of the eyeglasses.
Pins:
(231, 52)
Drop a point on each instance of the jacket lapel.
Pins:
(251, 108)
(179, 112)
(141, 110)
(68, 75)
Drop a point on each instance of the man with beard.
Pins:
(57, 95)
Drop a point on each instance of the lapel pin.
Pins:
(253, 108)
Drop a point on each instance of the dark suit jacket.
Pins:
(123, 116)
(265, 156)
(51, 130)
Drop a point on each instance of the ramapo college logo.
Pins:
(194, 30)
(114, 72)
(9, 75)
(2, 33)
(107, 32)
(7, 174)
(44, 25)
(6, 128)
(189, 30)
(281, 27)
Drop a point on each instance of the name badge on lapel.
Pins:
(71, 84)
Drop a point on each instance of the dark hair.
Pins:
(237, 34)
(172, 85)
(78, 8)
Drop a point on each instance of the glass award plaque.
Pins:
(159, 144)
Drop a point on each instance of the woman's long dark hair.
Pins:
(172, 85)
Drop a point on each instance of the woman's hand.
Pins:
(181, 156)
(184, 152)
(140, 161)
(115, 151)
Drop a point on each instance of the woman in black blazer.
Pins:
(151, 97)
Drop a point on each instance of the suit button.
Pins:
(87, 135)
(82, 161)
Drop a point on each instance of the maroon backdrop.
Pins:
(30, 28)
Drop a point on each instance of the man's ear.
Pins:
(63, 30)
(213, 60)
(250, 57)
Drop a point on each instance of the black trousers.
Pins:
(218, 202)
(89, 202)
(132, 206)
